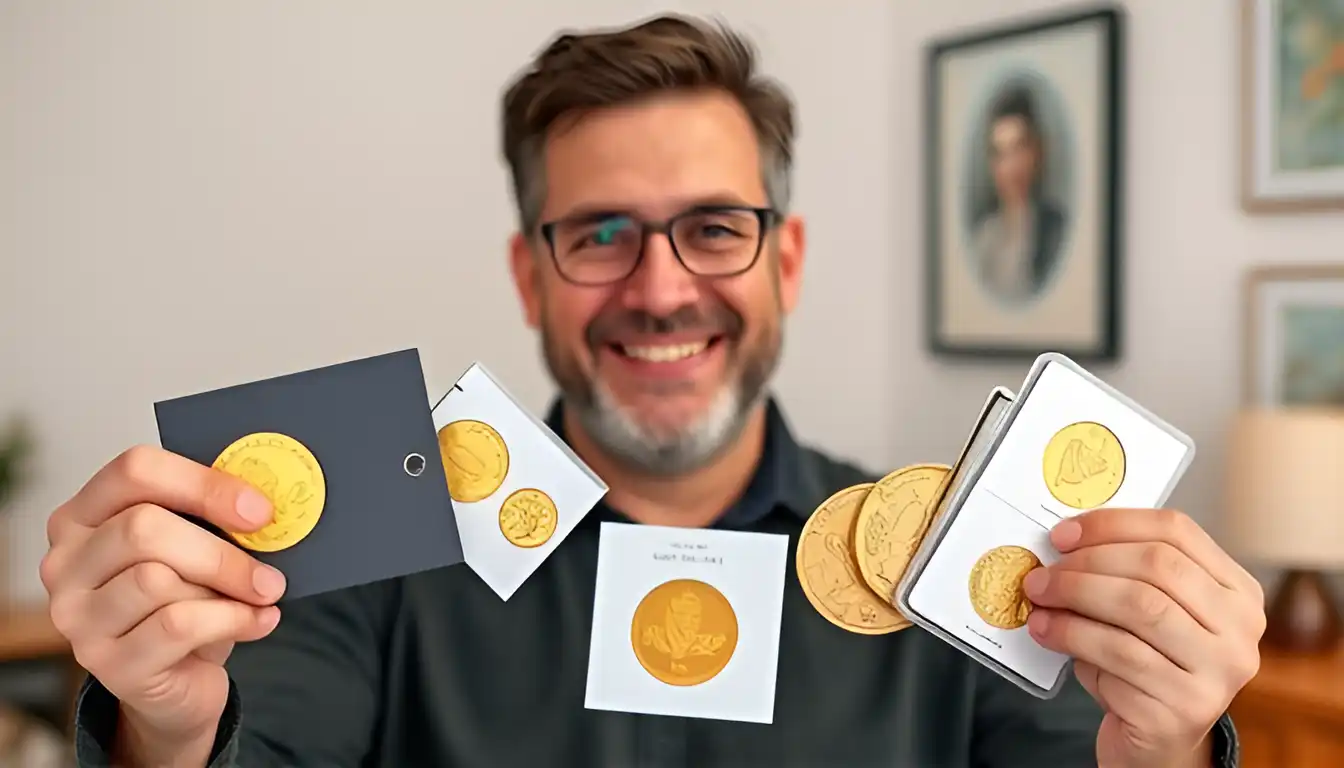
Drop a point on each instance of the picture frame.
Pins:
(1294, 336)
(1292, 127)
(1023, 191)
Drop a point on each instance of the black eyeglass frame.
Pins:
(767, 218)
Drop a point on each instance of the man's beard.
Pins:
(660, 450)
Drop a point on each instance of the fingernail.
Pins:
(1038, 622)
(269, 618)
(1066, 534)
(1034, 583)
(253, 507)
(268, 582)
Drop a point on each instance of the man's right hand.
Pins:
(151, 603)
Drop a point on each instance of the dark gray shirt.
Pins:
(435, 670)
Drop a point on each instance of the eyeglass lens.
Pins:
(607, 249)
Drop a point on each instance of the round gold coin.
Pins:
(1084, 465)
(996, 586)
(475, 459)
(829, 574)
(892, 523)
(684, 632)
(528, 517)
(288, 475)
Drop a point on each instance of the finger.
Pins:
(1165, 567)
(148, 475)
(1123, 526)
(146, 533)
(1087, 677)
(1137, 710)
(1111, 649)
(131, 596)
(215, 653)
(1136, 607)
(173, 632)
(60, 526)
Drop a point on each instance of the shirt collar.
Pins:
(786, 480)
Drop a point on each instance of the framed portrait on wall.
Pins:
(1293, 105)
(1295, 336)
(1023, 189)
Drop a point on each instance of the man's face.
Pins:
(1014, 157)
(661, 367)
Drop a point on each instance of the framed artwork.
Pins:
(1295, 336)
(1293, 105)
(1023, 188)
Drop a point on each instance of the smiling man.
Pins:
(654, 258)
(657, 258)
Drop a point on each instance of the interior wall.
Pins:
(195, 195)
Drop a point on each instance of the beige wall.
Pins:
(193, 195)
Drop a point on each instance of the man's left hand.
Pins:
(1162, 624)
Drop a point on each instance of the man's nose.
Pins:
(661, 285)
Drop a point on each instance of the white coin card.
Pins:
(539, 477)
(712, 602)
(1067, 431)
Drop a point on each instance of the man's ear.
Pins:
(792, 248)
(526, 279)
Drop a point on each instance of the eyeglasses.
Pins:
(713, 241)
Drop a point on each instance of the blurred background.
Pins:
(194, 195)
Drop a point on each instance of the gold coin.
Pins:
(1084, 465)
(475, 459)
(684, 632)
(829, 575)
(996, 586)
(892, 523)
(288, 475)
(527, 518)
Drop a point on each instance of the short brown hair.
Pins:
(578, 72)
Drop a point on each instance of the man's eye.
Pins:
(609, 231)
(714, 230)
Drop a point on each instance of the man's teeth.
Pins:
(666, 354)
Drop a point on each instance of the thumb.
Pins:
(1089, 676)
(215, 653)
(1111, 751)
(182, 701)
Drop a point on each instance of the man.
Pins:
(657, 260)
(1018, 241)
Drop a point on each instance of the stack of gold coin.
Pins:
(857, 544)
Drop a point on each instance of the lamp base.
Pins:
(1303, 616)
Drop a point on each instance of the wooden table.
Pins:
(1292, 714)
(26, 632)
(27, 635)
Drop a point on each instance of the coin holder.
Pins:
(1004, 499)
(715, 596)
(517, 490)
(357, 424)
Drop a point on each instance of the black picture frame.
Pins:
(1064, 299)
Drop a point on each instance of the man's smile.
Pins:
(671, 356)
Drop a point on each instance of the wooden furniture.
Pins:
(1292, 714)
(26, 632)
(30, 643)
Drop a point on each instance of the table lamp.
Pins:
(1284, 501)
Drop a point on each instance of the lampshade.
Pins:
(1284, 487)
